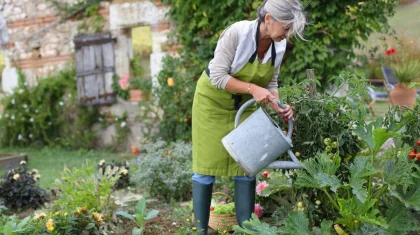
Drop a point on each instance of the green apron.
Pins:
(213, 117)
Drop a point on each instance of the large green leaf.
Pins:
(326, 226)
(319, 172)
(399, 172)
(296, 223)
(412, 195)
(141, 206)
(360, 169)
(152, 214)
(255, 226)
(399, 219)
(126, 215)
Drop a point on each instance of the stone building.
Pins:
(38, 40)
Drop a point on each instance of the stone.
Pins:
(42, 6)
(9, 79)
(17, 10)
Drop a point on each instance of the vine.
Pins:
(88, 10)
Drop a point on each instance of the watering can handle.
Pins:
(252, 101)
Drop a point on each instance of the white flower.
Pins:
(69, 95)
(0, 116)
(37, 177)
(13, 117)
(174, 223)
(20, 137)
(16, 176)
(25, 106)
(13, 101)
(22, 162)
(49, 123)
(124, 171)
(123, 124)
(26, 84)
(30, 136)
(21, 91)
(61, 103)
(36, 111)
(6, 115)
(35, 171)
(101, 162)
(32, 119)
(116, 118)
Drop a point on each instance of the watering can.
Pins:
(258, 141)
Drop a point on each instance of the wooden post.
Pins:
(310, 74)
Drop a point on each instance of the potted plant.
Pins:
(407, 70)
(140, 88)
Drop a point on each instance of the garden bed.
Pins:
(10, 160)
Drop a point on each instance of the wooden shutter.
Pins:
(95, 68)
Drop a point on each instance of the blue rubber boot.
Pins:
(201, 205)
(244, 199)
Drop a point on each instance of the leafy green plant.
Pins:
(14, 226)
(19, 189)
(407, 71)
(140, 216)
(47, 114)
(87, 187)
(116, 87)
(164, 170)
(321, 116)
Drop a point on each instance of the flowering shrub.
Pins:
(79, 221)
(164, 170)
(47, 114)
(19, 188)
(117, 167)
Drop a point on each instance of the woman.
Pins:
(246, 65)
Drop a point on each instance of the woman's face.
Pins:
(276, 29)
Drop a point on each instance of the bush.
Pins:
(19, 189)
(87, 187)
(165, 170)
(325, 116)
(47, 114)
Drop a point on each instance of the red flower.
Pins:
(390, 51)
(212, 208)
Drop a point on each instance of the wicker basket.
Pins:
(222, 222)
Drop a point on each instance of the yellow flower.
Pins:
(194, 229)
(65, 214)
(35, 171)
(39, 216)
(50, 225)
(124, 171)
(98, 217)
(57, 213)
(101, 162)
(171, 82)
(16, 176)
(23, 162)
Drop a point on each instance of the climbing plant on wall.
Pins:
(84, 9)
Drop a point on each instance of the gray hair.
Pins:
(289, 12)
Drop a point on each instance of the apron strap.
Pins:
(273, 48)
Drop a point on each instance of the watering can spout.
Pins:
(286, 164)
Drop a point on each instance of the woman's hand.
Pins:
(287, 112)
(261, 95)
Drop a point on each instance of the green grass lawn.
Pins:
(50, 162)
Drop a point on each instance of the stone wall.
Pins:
(52, 49)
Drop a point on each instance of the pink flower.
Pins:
(124, 82)
(260, 187)
(222, 202)
(258, 210)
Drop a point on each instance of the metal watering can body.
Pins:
(258, 141)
